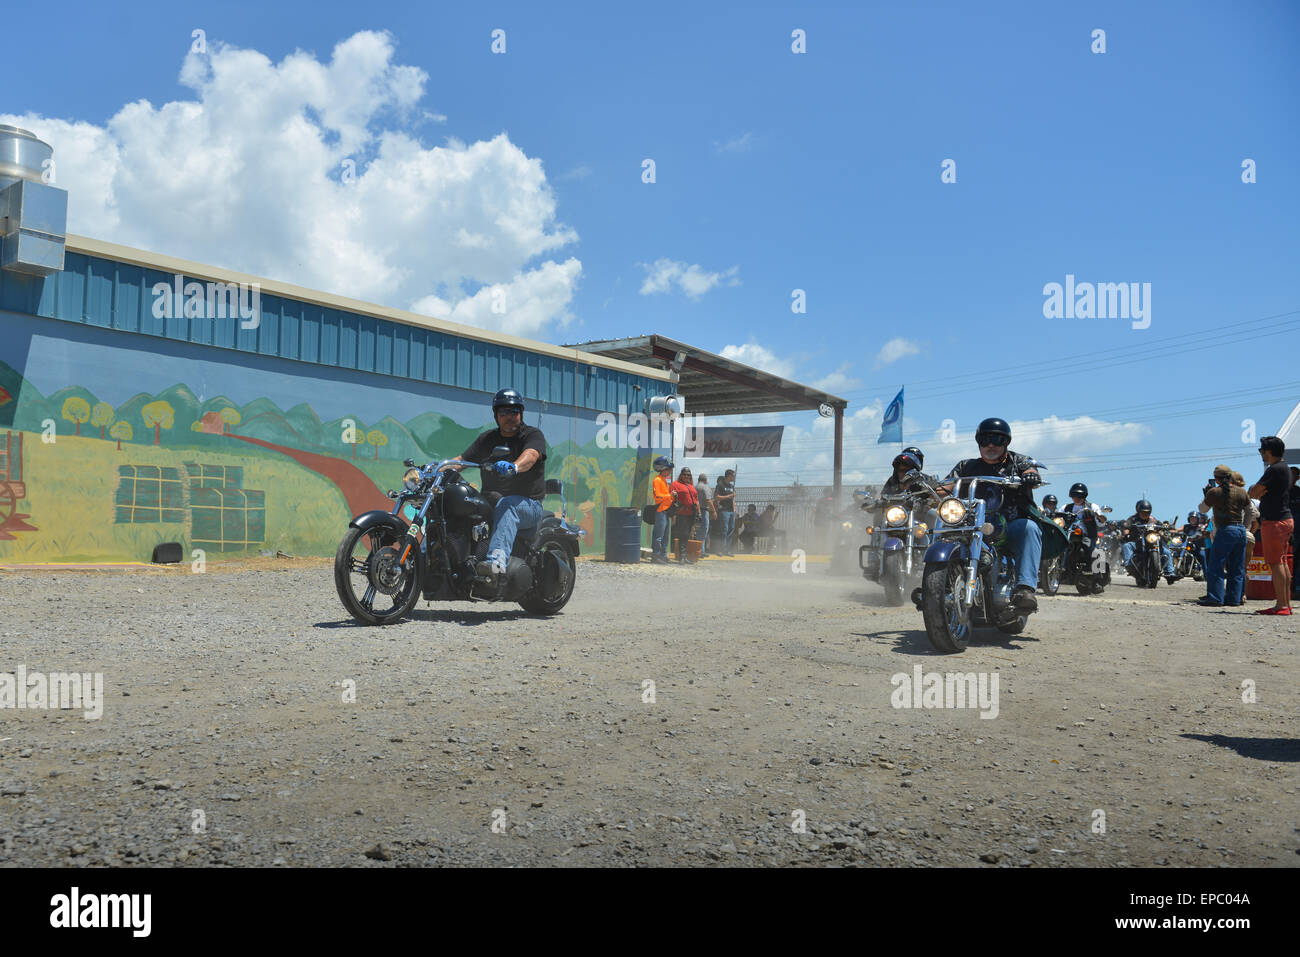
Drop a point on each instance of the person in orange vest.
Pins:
(665, 500)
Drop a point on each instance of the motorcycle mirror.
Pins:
(1106, 508)
(1034, 463)
(500, 452)
(409, 463)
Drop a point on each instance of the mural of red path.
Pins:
(360, 492)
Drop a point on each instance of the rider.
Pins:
(520, 481)
(1048, 507)
(1142, 515)
(1023, 534)
(905, 461)
(1079, 503)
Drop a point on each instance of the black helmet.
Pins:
(507, 399)
(662, 463)
(909, 458)
(1142, 506)
(920, 456)
(994, 427)
(1049, 502)
(1193, 516)
(1078, 488)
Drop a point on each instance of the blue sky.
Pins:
(774, 171)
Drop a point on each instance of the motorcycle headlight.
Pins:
(411, 479)
(1178, 539)
(1153, 537)
(1059, 521)
(895, 515)
(920, 530)
(952, 511)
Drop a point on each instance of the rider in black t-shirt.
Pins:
(520, 480)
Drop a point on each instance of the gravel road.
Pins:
(480, 735)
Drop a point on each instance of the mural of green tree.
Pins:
(76, 409)
(377, 439)
(158, 416)
(102, 416)
(230, 417)
(121, 430)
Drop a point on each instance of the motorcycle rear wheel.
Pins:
(1051, 577)
(352, 571)
(1083, 584)
(538, 604)
(891, 577)
(943, 607)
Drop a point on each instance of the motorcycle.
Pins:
(385, 563)
(969, 576)
(1145, 565)
(895, 553)
(1188, 550)
(1084, 564)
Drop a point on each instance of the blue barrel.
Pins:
(623, 535)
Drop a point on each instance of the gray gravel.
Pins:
(480, 735)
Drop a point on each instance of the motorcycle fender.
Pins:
(893, 544)
(942, 552)
(378, 517)
(559, 534)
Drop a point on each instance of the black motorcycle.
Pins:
(1145, 565)
(1084, 564)
(1188, 550)
(895, 552)
(385, 563)
(1049, 569)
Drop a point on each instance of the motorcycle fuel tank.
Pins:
(462, 500)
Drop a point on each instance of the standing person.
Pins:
(724, 497)
(688, 505)
(665, 500)
(1293, 502)
(1276, 521)
(708, 512)
(1227, 553)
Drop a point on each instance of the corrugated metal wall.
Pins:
(114, 295)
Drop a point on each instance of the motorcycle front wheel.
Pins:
(943, 607)
(891, 577)
(372, 586)
(1153, 569)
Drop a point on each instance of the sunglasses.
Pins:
(998, 441)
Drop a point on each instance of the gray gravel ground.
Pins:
(224, 699)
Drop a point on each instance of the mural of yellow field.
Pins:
(83, 508)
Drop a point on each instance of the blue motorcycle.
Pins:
(969, 573)
(898, 541)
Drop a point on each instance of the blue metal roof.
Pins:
(115, 295)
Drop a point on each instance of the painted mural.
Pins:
(100, 461)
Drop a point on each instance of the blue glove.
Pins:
(504, 468)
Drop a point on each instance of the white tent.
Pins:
(1290, 434)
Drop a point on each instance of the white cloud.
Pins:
(249, 175)
(581, 171)
(838, 381)
(895, 349)
(693, 280)
(752, 354)
(740, 144)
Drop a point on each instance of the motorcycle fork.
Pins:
(977, 552)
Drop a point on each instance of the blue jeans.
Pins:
(1166, 556)
(659, 539)
(1026, 541)
(704, 530)
(1228, 552)
(728, 520)
(513, 514)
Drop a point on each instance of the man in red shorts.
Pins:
(1275, 520)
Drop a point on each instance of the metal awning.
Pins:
(713, 385)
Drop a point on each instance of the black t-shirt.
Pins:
(1277, 483)
(724, 488)
(531, 483)
(1015, 501)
